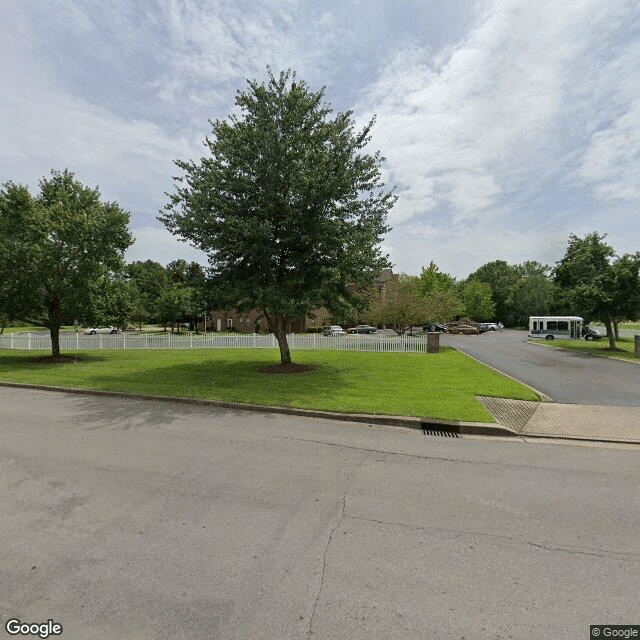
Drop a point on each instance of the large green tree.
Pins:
(533, 293)
(197, 292)
(287, 204)
(500, 276)
(432, 279)
(476, 296)
(53, 248)
(598, 285)
(150, 279)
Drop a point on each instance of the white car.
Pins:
(91, 331)
(333, 330)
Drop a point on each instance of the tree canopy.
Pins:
(476, 296)
(403, 304)
(596, 284)
(54, 248)
(500, 276)
(287, 204)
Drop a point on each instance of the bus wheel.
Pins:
(549, 337)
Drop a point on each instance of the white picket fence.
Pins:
(42, 342)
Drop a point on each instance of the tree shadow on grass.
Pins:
(217, 379)
(22, 359)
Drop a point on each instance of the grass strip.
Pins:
(442, 385)
(625, 347)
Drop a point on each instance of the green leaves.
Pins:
(55, 246)
(287, 204)
(598, 285)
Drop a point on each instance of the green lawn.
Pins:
(625, 347)
(439, 385)
(24, 329)
(623, 326)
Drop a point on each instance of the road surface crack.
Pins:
(324, 560)
(600, 553)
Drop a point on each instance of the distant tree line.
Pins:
(291, 209)
(590, 280)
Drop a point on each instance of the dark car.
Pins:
(362, 328)
(436, 326)
(591, 334)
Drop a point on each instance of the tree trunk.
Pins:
(54, 326)
(610, 335)
(616, 331)
(278, 325)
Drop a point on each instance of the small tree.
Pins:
(53, 248)
(402, 304)
(287, 204)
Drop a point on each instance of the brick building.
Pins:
(254, 321)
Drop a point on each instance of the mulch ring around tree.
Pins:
(56, 359)
(286, 368)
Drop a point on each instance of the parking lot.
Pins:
(564, 376)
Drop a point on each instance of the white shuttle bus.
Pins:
(551, 327)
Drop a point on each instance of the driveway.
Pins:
(565, 376)
(139, 520)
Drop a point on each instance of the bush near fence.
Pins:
(242, 341)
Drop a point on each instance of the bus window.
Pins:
(552, 325)
(535, 325)
(563, 325)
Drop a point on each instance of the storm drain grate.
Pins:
(426, 431)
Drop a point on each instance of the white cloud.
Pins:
(131, 161)
(507, 124)
(488, 132)
(156, 243)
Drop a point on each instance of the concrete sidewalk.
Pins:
(574, 421)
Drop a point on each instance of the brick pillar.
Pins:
(433, 342)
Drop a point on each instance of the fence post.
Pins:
(191, 341)
(124, 341)
(12, 340)
(29, 340)
(77, 340)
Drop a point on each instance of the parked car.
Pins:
(488, 326)
(93, 330)
(333, 330)
(591, 334)
(465, 329)
(436, 326)
(362, 328)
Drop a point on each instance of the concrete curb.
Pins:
(559, 436)
(446, 426)
(449, 426)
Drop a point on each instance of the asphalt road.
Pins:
(565, 376)
(125, 519)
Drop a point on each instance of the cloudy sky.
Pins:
(506, 124)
